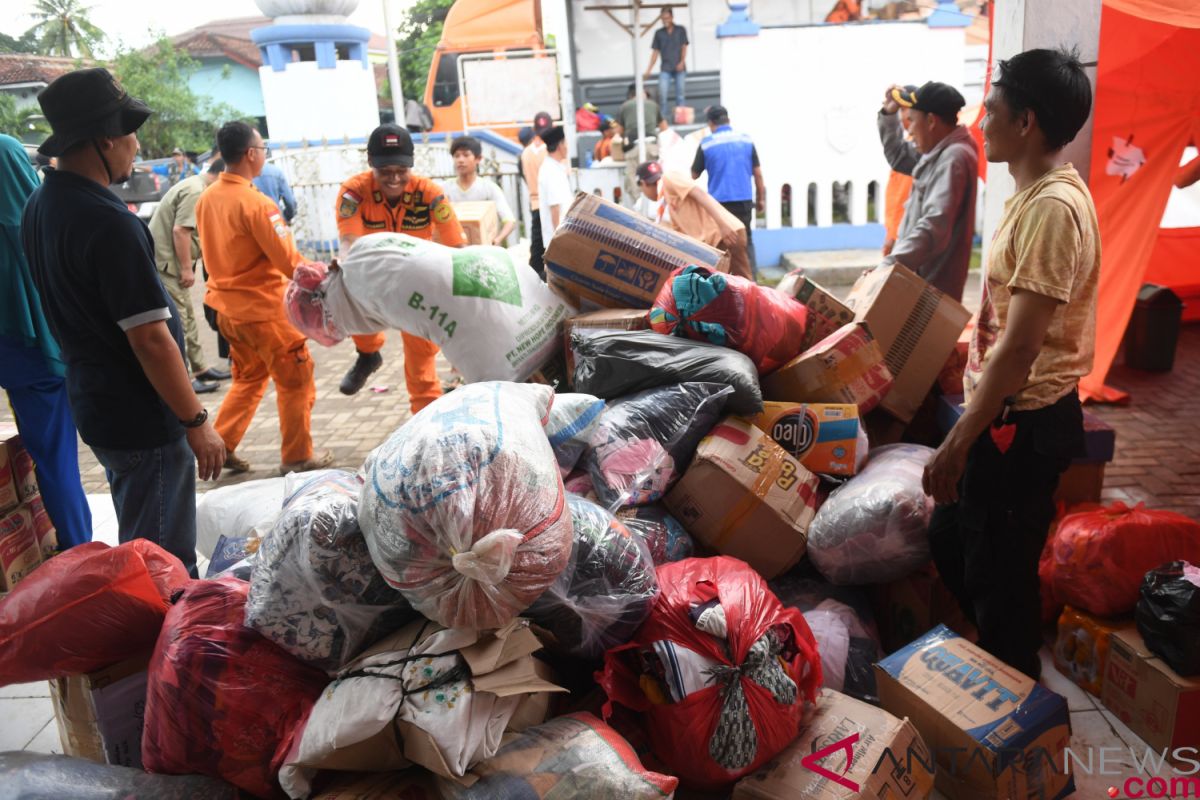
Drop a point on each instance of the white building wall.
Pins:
(811, 125)
(305, 102)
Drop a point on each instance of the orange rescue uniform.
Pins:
(250, 255)
(362, 209)
(899, 186)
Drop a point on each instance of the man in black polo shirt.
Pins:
(93, 263)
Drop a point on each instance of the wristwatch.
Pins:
(196, 421)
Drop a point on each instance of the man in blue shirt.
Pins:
(274, 184)
(670, 42)
(734, 176)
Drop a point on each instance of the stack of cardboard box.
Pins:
(27, 535)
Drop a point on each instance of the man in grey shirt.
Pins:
(938, 228)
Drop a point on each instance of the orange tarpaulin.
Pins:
(1175, 262)
(1147, 109)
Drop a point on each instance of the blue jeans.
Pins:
(664, 85)
(39, 401)
(154, 493)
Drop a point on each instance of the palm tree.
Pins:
(63, 28)
(22, 123)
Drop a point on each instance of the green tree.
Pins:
(11, 44)
(63, 29)
(158, 76)
(419, 34)
(25, 124)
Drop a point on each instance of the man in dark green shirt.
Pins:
(630, 133)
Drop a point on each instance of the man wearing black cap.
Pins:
(938, 228)
(530, 165)
(735, 178)
(388, 197)
(93, 263)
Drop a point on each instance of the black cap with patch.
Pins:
(542, 120)
(390, 146)
(649, 171)
(932, 98)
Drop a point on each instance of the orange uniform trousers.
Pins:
(262, 351)
(420, 366)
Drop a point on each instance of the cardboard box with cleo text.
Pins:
(995, 733)
(824, 437)
(744, 496)
(606, 256)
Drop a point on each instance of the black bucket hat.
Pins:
(88, 104)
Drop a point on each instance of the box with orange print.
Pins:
(744, 496)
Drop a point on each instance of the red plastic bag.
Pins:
(86, 608)
(221, 700)
(1096, 560)
(697, 303)
(684, 734)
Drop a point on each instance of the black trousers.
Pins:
(744, 211)
(537, 250)
(987, 545)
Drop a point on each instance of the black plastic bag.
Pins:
(612, 364)
(1168, 615)
(36, 776)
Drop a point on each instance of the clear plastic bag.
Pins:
(606, 590)
(645, 441)
(612, 364)
(463, 508)
(875, 528)
(573, 418)
(314, 590)
(36, 776)
(666, 537)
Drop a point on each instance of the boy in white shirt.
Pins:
(554, 184)
(467, 153)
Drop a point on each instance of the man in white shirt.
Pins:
(554, 185)
(467, 153)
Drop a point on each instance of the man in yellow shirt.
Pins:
(995, 475)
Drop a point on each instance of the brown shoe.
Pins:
(318, 461)
(235, 464)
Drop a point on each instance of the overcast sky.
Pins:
(133, 20)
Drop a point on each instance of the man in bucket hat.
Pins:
(93, 263)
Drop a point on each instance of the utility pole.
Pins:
(393, 67)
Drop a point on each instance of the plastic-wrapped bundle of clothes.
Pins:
(720, 670)
(875, 528)
(666, 537)
(221, 700)
(573, 757)
(314, 590)
(28, 776)
(463, 508)
(645, 441)
(573, 419)
(606, 590)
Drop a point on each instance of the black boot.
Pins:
(357, 376)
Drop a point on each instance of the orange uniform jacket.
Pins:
(248, 250)
(361, 209)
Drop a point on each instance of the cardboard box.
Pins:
(611, 319)
(100, 715)
(950, 379)
(20, 469)
(411, 784)
(43, 526)
(916, 326)
(479, 220)
(821, 436)
(10, 496)
(1081, 483)
(825, 312)
(743, 496)
(915, 603)
(611, 257)
(863, 746)
(846, 367)
(994, 732)
(1082, 645)
(1156, 702)
(19, 550)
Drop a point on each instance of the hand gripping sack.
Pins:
(314, 590)
(1168, 615)
(752, 697)
(463, 507)
(697, 303)
(644, 442)
(606, 590)
(1098, 559)
(221, 700)
(304, 301)
(613, 364)
(495, 319)
(875, 527)
(85, 609)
